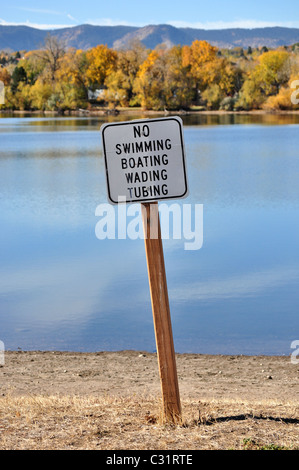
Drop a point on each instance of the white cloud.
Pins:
(112, 22)
(71, 17)
(36, 25)
(240, 23)
(100, 22)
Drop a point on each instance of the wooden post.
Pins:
(161, 312)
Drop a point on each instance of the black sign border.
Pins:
(146, 121)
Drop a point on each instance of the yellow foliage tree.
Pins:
(198, 59)
(72, 71)
(272, 71)
(101, 63)
(120, 83)
(162, 81)
(40, 94)
(287, 98)
(198, 54)
(143, 87)
(5, 76)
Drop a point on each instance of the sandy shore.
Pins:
(130, 372)
(112, 401)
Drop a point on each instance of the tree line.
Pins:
(199, 76)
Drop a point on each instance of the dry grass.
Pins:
(113, 423)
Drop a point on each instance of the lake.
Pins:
(61, 288)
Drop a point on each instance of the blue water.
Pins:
(62, 288)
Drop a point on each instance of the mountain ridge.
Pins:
(86, 36)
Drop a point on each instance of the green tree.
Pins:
(19, 75)
(33, 66)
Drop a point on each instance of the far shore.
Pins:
(140, 111)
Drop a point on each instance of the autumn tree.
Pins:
(162, 81)
(72, 71)
(33, 64)
(51, 54)
(150, 82)
(120, 83)
(41, 92)
(57, 78)
(250, 96)
(5, 76)
(101, 62)
(197, 59)
(272, 71)
(142, 87)
(287, 97)
(178, 85)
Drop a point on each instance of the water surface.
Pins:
(62, 288)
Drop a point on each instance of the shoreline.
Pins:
(138, 111)
(128, 372)
(137, 351)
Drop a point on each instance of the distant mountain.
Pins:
(17, 38)
(222, 38)
(86, 36)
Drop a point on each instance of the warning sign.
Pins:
(145, 160)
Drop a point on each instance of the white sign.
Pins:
(145, 160)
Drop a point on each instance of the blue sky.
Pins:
(182, 13)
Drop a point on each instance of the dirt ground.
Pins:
(131, 372)
(228, 402)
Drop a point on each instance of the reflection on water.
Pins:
(62, 288)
